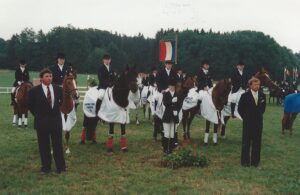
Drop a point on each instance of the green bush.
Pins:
(184, 157)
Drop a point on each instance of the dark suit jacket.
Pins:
(179, 78)
(21, 76)
(58, 75)
(106, 79)
(45, 117)
(163, 79)
(204, 80)
(251, 113)
(238, 80)
(170, 107)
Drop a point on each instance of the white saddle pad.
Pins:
(89, 101)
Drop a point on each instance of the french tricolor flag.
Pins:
(167, 51)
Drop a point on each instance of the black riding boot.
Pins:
(232, 109)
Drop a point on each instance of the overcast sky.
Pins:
(277, 18)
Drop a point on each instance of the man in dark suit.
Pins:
(179, 74)
(251, 107)
(21, 76)
(44, 103)
(106, 74)
(59, 70)
(204, 79)
(239, 80)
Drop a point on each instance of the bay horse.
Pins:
(20, 106)
(70, 93)
(115, 105)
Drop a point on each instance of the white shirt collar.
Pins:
(60, 66)
(240, 71)
(172, 93)
(254, 93)
(107, 66)
(205, 71)
(168, 71)
(22, 69)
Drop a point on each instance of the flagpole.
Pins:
(176, 43)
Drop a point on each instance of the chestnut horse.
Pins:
(20, 106)
(70, 93)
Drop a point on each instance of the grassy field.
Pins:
(90, 170)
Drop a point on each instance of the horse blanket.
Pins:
(68, 124)
(113, 113)
(292, 103)
(89, 102)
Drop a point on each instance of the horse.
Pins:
(219, 97)
(20, 105)
(188, 114)
(116, 104)
(70, 93)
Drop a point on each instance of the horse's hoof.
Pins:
(25, 126)
(124, 149)
(68, 151)
(110, 150)
(14, 124)
(223, 136)
(94, 142)
(82, 142)
(215, 144)
(205, 144)
(137, 123)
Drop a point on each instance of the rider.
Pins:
(239, 79)
(21, 76)
(59, 70)
(152, 77)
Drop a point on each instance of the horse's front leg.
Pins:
(190, 119)
(226, 118)
(284, 122)
(184, 123)
(67, 137)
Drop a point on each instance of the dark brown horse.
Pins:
(20, 106)
(70, 93)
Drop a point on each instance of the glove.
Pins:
(19, 82)
(174, 100)
(175, 112)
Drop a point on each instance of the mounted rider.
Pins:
(21, 76)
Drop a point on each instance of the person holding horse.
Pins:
(170, 119)
(251, 107)
(59, 70)
(44, 103)
(163, 79)
(239, 80)
(21, 76)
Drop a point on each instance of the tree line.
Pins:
(84, 49)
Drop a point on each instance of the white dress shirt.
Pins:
(45, 89)
(205, 71)
(61, 66)
(241, 72)
(255, 96)
(107, 66)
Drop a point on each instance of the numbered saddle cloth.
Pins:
(70, 120)
(191, 99)
(111, 112)
(90, 100)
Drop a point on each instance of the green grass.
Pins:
(92, 171)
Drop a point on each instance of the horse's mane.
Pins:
(220, 93)
(122, 87)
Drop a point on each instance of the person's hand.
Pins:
(174, 100)
(19, 82)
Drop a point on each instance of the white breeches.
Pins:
(169, 129)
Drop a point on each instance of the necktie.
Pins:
(49, 96)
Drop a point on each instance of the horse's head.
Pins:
(263, 76)
(69, 86)
(130, 76)
(220, 93)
